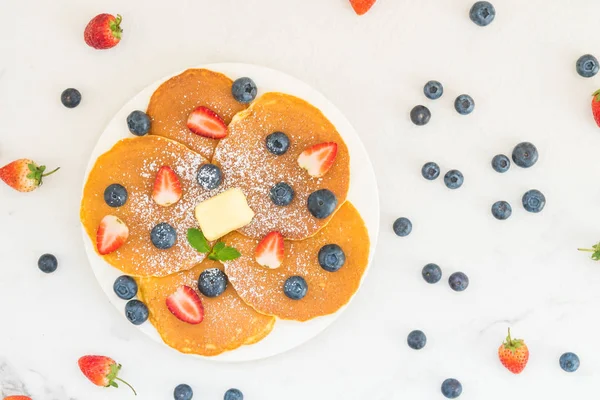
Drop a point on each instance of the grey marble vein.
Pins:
(10, 383)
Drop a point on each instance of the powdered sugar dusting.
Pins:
(174, 100)
(247, 164)
(262, 287)
(134, 164)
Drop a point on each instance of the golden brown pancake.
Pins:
(262, 288)
(134, 163)
(174, 100)
(228, 322)
(248, 165)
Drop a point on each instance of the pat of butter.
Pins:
(223, 213)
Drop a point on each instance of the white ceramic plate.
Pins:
(363, 194)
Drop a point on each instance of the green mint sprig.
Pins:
(595, 250)
(219, 252)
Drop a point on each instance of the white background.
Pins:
(525, 272)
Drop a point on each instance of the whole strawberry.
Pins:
(102, 371)
(24, 175)
(17, 398)
(513, 354)
(596, 106)
(103, 31)
(362, 6)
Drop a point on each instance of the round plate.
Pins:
(363, 194)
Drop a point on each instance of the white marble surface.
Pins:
(524, 272)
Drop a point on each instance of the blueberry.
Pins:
(587, 66)
(433, 90)
(331, 257)
(525, 155)
(125, 287)
(209, 176)
(420, 115)
(534, 201)
(183, 392)
(136, 312)
(482, 13)
(432, 273)
(402, 227)
(47, 263)
(163, 236)
(500, 163)
(115, 195)
(569, 362)
(138, 123)
(282, 194)
(430, 171)
(244, 90)
(451, 388)
(454, 179)
(212, 282)
(295, 287)
(416, 340)
(501, 210)
(322, 203)
(233, 394)
(70, 98)
(277, 143)
(458, 281)
(464, 104)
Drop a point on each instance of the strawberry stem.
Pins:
(509, 339)
(51, 172)
(588, 250)
(131, 387)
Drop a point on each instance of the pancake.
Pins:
(248, 165)
(228, 322)
(174, 100)
(262, 288)
(134, 163)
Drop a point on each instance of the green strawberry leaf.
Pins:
(32, 167)
(31, 175)
(197, 240)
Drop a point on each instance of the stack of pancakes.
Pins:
(247, 311)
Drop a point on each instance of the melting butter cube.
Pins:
(223, 213)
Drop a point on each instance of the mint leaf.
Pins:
(228, 253)
(197, 240)
(215, 251)
(221, 252)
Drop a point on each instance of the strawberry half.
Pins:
(167, 188)
(101, 371)
(111, 235)
(596, 107)
(269, 252)
(318, 159)
(362, 6)
(205, 122)
(186, 305)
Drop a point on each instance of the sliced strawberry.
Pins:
(167, 188)
(205, 122)
(186, 305)
(112, 233)
(318, 159)
(269, 252)
(362, 6)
